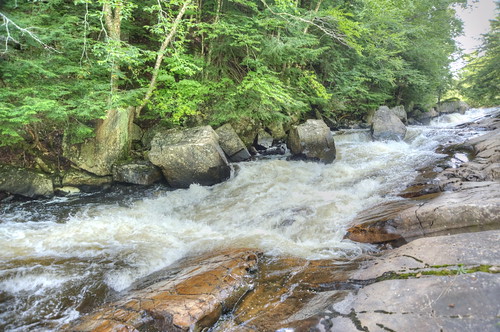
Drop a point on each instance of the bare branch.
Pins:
(7, 22)
(319, 23)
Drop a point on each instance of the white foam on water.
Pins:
(281, 207)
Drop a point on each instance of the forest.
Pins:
(65, 64)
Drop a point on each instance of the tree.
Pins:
(480, 78)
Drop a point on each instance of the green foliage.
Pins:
(259, 59)
(480, 82)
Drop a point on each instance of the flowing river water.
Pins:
(63, 256)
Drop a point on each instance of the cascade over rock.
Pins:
(190, 156)
(110, 144)
(464, 197)
(231, 144)
(387, 125)
(312, 140)
(25, 182)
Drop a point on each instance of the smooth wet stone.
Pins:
(288, 293)
(190, 297)
(440, 252)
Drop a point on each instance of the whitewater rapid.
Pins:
(63, 256)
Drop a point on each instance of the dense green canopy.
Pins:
(64, 63)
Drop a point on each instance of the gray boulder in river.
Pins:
(139, 172)
(232, 144)
(456, 106)
(28, 183)
(387, 126)
(190, 156)
(312, 140)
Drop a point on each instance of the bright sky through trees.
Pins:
(476, 19)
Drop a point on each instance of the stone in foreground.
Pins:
(312, 140)
(231, 143)
(192, 299)
(140, 172)
(444, 283)
(24, 182)
(387, 126)
(190, 156)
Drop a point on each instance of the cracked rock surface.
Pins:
(444, 283)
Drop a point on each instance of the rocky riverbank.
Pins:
(180, 157)
(444, 278)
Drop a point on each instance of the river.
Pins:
(61, 257)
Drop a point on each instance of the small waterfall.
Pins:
(63, 256)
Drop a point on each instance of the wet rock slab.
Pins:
(466, 302)
(288, 293)
(447, 283)
(188, 298)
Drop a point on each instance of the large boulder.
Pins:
(387, 126)
(231, 143)
(190, 156)
(399, 111)
(139, 172)
(25, 182)
(189, 297)
(312, 140)
(110, 144)
(247, 129)
(423, 117)
(456, 106)
(78, 178)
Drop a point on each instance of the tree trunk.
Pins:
(113, 19)
(160, 56)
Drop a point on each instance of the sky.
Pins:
(476, 19)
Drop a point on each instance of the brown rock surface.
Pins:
(289, 292)
(190, 298)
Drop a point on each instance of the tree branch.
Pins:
(160, 56)
(7, 22)
(322, 26)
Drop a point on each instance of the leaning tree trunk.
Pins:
(161, 55)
